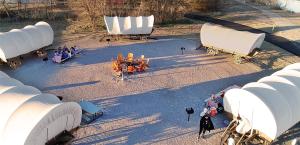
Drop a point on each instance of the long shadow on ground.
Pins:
(293, 47)
(157, 115)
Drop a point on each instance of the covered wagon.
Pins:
(133, 26)
(267, 108)
(30, 117)
(217, 38)
(17, 42)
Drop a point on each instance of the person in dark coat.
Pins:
(205, 124)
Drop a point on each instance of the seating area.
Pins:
(109, 93)
(129, 65)
(65, 53)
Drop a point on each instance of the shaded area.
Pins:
(158, 115)
(293, 133)
(69, 86)
(293, 47)
(150, 49)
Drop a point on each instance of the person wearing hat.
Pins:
(205, 125)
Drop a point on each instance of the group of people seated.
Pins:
(129, 64)
(64, 53)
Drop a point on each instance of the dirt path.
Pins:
(280, 24)
(274, 39)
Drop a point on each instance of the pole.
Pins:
(122, 76)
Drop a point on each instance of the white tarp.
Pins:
(8, 83)
(29, 117)
(295, 66)
(291, 75)
(129, 25)
(230, 40)
(21, 41)
(290, 5)
(23, 48)
(3, 75)
(270, 105)
(8, 49)
(46, 31)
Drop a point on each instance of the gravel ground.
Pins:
(149, 108)
(146, 108)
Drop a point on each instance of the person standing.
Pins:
(205, 125)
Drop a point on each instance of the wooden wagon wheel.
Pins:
(41, 53)
(14, 63)
(216, 52)
(238, 59)
(212, 51)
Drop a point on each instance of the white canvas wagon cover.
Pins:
(230, 40)
(29, 117)
(271, 105)
(21, 41)
(129, 25)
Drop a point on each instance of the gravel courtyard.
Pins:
(145, 108)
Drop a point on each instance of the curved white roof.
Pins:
(30, 117)
(8, 49)
(36, 36)
(295, 66)
(230, 40)
(3, 75)
(8, 83)
(129, 25)
(62, 117)
(11, 100)
(21, 41)
(271, 104)
(23, 47)
(292, 75)
(290, 5)
(284, 86)
(47, 32)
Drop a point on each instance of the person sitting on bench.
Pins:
(69, 54)
(64, 55)
(74, 50)
(65, 48)
(57, 57)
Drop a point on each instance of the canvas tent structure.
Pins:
(290, 5)
(29, 117)
(31, 38)
(141, 25)
(269, 105)
(219, 38)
